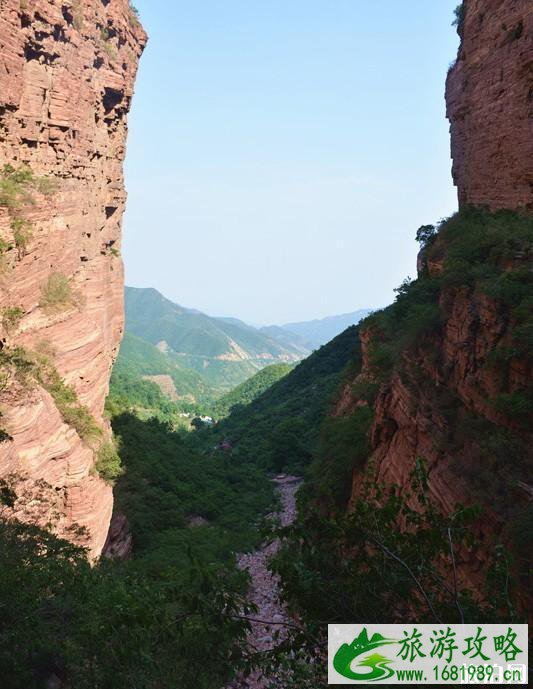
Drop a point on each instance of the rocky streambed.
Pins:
(264, 588)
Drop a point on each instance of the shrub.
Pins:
(108, 462)
(11, 317)
(57, 293)
(105, 43)
(459, 20)
(66, 400)
(426, 234)
(22, 234)
(133, 16)
(31, 367)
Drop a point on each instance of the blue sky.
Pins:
(282, 153)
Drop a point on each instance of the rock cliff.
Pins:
(489, 95)
(448, 365)
(67, 71)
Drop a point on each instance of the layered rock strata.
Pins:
(489, 95)
(67, 71)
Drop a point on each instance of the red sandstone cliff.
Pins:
(67, 70)
(438, 402)
(489, 95)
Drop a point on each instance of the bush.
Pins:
(30, 367)
(18, 184)
(57, 293)
(11, 317)
(22, 234)
(66, 400)
(108, 463)
(460, 14)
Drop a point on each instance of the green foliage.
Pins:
(113, 625)
(425, 235)
(166, 483)
(142, 397)
(57, 294)
(30, 368)
(279, 430)
(4, 436)
(72, 412)
(106, 44)
(77, 15)
(361, 566)
(460, 14)
(11, 317)
(213, 347)
(343, 448)
(251, 389)
(138, 358)
(17, 187)
(108, 463)
(22, 234)
(133, 15)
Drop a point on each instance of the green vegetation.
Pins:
(279, 430)
(141, 397)
(113, 625)
(223, 351)
(22, 234)
(342, 448)
(138, 358)
(251, 389)
(459, 20)
(361, 566)
(18, 187)
(108, 463)
(29, 368)
(167, 483)
(11, 317)
(57, 294)
(106, 44)
(133, 16)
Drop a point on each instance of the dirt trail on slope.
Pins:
(264, 587)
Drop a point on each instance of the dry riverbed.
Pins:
(264, 588)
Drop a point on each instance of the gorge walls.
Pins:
(489, 95)
(447, 365)
(67, 71)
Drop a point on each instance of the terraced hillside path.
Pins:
(264, 588)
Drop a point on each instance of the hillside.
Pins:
(318, 332)
(139, 360)
(224, 351)
(251, 389)
(278, 430)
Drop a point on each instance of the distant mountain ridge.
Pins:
(320, 331)
(223, 351)
(195, 357)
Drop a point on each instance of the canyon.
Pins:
(443, 391)
(67, 72)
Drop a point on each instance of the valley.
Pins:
(199, 361)
(187, 501)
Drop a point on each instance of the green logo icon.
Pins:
(378, 664)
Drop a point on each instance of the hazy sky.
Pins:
(282, 153)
